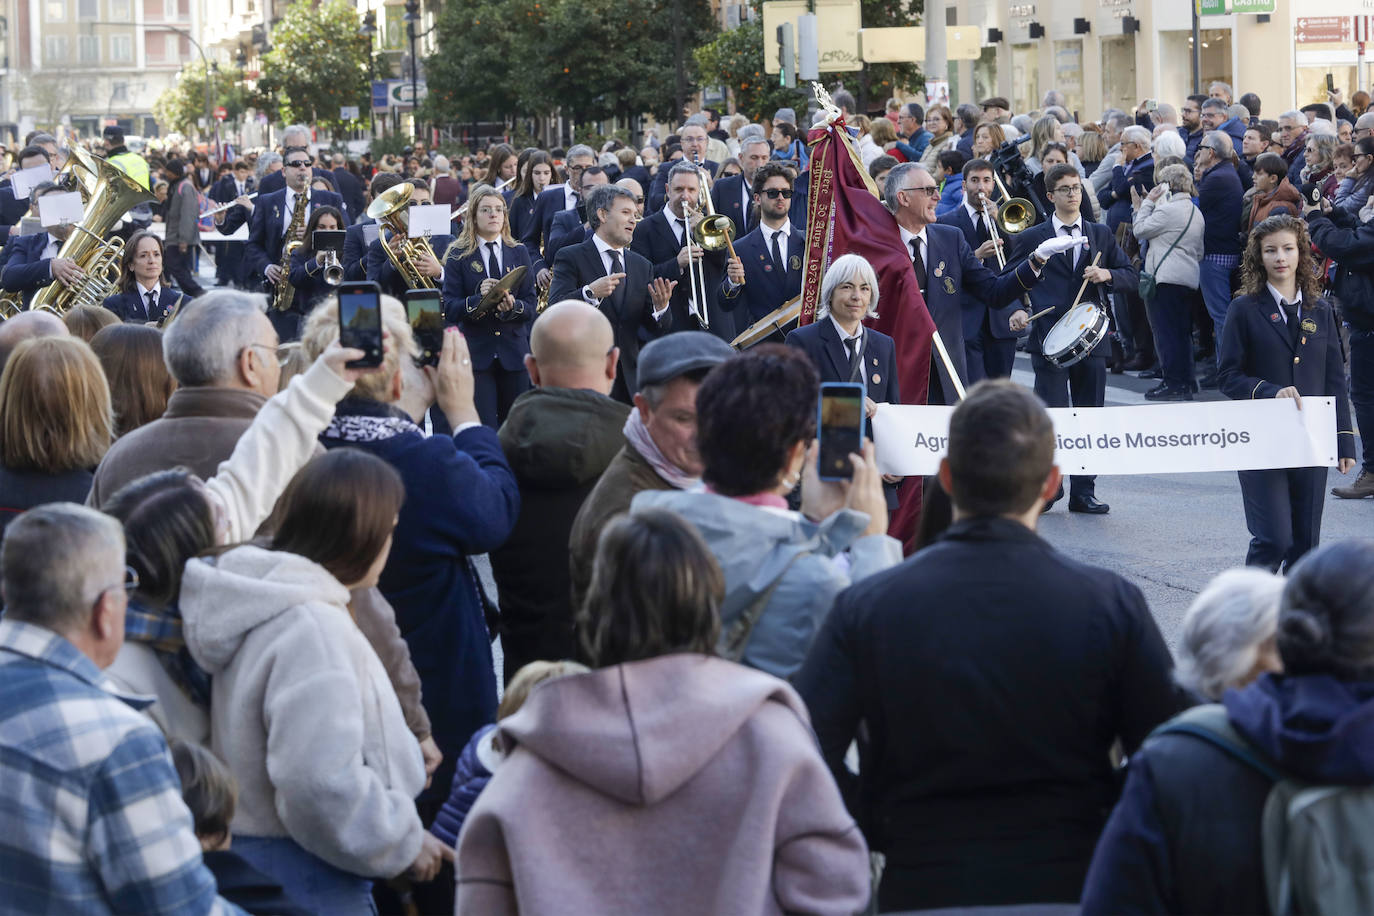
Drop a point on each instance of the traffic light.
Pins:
(787, 56)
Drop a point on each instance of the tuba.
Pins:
(112, 193)
(389, 210)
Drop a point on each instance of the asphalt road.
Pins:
(1171, 533)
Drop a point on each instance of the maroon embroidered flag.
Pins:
(845, 217)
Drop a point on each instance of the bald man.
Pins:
(558, 438)
(24, 326)
(636, 189)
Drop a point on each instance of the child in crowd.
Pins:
(209, 790)
(484, 752)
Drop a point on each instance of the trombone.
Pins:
(712, 232)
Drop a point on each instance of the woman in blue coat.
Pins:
(143, 294)
(307, 264)
(535, 174)
(499, 336)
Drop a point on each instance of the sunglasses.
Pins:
(775, 193)
(298, 164)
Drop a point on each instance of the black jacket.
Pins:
(247, 888)
(1351, 245)
(992, 675)
(558, 441)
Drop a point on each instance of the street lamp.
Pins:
(411, 17)
(367, 31)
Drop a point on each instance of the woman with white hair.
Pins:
(1168, 143)
(1228, 637)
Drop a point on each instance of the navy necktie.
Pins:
(777, 252)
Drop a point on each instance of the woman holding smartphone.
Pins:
(143, 294)
(498, 336)
(307, 264)
(1280, 341)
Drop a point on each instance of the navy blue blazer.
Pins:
(307, 276)
(351, 190)
(380, 268)
(1258, 357)
(820, 341)
(956, 282)
(727, 196)
(765, 288)
(26, 270)
(355, 250)
(268, 222)
(658, 193)
(630, 308)
(551, 200)
(655, 239)
(12, 209)
(131, 307)
(502, 337)
(567, 229)
(1059, 281)
(973, 316)
(521, 215)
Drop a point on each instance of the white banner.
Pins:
(1151, 439)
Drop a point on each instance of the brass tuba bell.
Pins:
(389, 210)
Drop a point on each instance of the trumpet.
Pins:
(333, 270)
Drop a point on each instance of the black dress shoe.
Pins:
(1138, 362)
(1151, 373)
(1058, 495)
(1169, 393)
(1089, 505)
(1209, 382)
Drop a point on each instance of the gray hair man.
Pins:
(66, 588)
(660, 445)
(559, 438)
(1114, 124)
(733, 196)
(1220, 90)
(222, 352)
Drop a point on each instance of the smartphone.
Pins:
(1151, 104)
(840, 428)
(426, 316)
(328, 240)
(1330, 83)
(360, 321)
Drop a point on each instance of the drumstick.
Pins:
(1097, 257)
(1039, 314)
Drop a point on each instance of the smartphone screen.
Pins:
(426, 318)
(840, 428)
(360, 321)
(1330, 83)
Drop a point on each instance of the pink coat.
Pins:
(679, 784)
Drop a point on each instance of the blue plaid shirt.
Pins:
(90, 802)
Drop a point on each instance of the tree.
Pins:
(52, 93)
(182, 104)
(318, 63)
(589, 59)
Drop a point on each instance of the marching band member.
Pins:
(379, 267)
(535, 175)
(143, 295)
(555, 199)
(1280, 340)
(770, 257)
(307, 264)
(1084, 384)
(355, 239)
(33, 262)
(498, 340)
(604, 272)
(734, 195)
(14, 209)
(570, 226)
(662, 239)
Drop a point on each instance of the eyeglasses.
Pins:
(1210, 149)
(639, 200)
(775, 193)
(298, 164)
(259, 346)
(130, 583)
(1069, 190)
(928, 190)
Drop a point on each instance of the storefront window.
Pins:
(1068, 73)
(1025, 78)
(1176, 62)
(1311, 82)
(985, 75)
(1118, 73)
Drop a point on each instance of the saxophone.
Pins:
(283, 292)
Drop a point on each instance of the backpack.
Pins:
(1318, 841)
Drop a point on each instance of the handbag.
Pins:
(1148, 285)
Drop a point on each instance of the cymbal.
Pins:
(769, 324)
(494, 295)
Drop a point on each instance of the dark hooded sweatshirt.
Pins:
(558, 441)
(1186, 835)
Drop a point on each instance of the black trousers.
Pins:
(495, 390)
(1283, 510)
(988, 356)
(180, 266)
(1084, 384)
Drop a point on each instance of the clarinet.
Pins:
(283, 293)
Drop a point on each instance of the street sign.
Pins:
(379, 95)
(348, 112)
(401, 93)
(1308, 29)
(221, 114)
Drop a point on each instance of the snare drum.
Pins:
(1076, 335)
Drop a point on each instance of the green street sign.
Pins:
(1241, 7)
